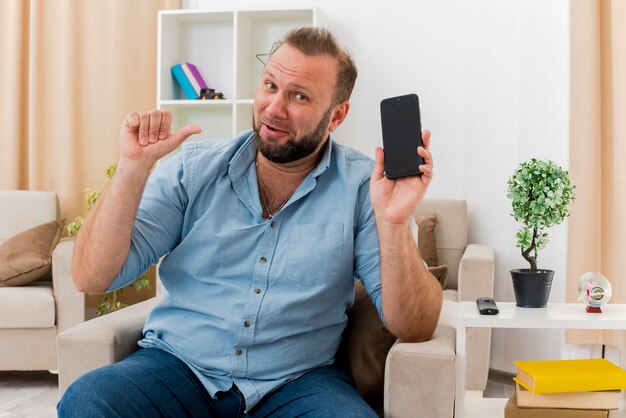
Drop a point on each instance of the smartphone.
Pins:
(402, 134)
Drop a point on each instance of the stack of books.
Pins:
(189, 79)
(587, 388)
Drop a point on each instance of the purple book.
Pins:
(196, 74)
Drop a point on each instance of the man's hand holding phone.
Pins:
(404, 169)
(395, 200)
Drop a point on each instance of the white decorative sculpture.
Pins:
(595, 290)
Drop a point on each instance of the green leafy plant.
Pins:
(541, 193)
(111, 300)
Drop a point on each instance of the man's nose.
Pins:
(277, 108)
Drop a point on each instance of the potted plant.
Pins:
(541, 193)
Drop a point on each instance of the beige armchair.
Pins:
(419, 377)
(32, 315)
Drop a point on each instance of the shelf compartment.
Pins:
(204, 39)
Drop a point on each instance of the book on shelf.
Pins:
(190, 77)
(194, 76)
(603, 399)
(513, 410)
(183, 81)
(584, 375)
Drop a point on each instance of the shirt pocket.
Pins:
(314, 253)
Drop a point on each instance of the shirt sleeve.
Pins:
(158, 223)
(366, 248)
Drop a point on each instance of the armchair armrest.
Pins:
(69, 302)
(420, 376)
(476, 278)
(476, 272)
(100, 341)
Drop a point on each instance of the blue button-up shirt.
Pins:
(252, 301)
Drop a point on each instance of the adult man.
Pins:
(263, 237)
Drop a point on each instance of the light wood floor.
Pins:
(28, 394)
(499, 385)
(35, 394)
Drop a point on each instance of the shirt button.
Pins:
(263, 260)
(246, 324)
(238, 351)
(257, 290)
(273, 224)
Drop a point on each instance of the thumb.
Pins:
(379, 164)
(183, 133)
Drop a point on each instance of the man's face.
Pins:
(292, 106)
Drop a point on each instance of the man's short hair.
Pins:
(320, 41)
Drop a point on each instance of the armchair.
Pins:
(32, 315)
(419, 377)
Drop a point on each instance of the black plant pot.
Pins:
(532, 288)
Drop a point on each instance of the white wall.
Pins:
(493, 81)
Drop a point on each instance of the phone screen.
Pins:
(402, 134)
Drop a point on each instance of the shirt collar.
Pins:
(246, 153)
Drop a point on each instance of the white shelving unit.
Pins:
(223, 46)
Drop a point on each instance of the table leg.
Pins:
(459, 397)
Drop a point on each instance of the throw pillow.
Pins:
(27, 256)
(440, 273)
(364, 345)
(426, 240)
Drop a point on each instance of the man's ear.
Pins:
(339, 114)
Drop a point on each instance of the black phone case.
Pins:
(402, 134)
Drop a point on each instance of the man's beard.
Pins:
(293, 149)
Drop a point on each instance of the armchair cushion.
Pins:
(441, 274)
(426, 241)
(364, 345)
(27, 256)
(27, 307)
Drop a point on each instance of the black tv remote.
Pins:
(487, 306)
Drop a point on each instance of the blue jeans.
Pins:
(153, 383)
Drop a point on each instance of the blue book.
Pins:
(179, 75)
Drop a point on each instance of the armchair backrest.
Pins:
(450, 232)
(24, 209)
